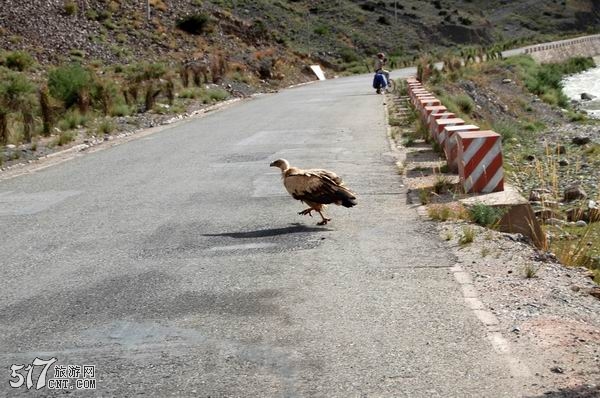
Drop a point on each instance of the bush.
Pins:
(67, 82)
(107, 126)
(464, 103)
(195, 24)
(120, 110)
(18, 60)
(507, 129)
(485, 215)
(70, 7)
(349, 55)
(217, 94)
(72, 120)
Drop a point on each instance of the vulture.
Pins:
(315, 187)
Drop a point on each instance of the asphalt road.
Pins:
(177, 265)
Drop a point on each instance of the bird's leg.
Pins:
(306, 211)
(325, 220)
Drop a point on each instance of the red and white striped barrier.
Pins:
(422, 102)
(431, 126)
(476, 154)
(432, 110)
(419, 97)
(438, 125)
(447, 140)
(420, 94)
(480, 161)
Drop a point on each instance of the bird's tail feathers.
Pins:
(347, 198)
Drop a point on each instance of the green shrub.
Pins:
(67, 82)
(507, 129)
(464, 103)
(64, 138)
(485, 215)
(467, 236)
(217, 94)
(72, 120)
(120, 110)
(107, 126)
(18, 60)
(70, 7)
(349, 55)
(191, 93)
(321, 30)
(195, 24)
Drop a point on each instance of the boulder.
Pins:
(581, 140)
(587, 96)
(574, 192)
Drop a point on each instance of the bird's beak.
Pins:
(272, 164)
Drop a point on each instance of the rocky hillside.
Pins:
(123, 31)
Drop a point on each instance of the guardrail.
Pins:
(476, 155)
(587, 46)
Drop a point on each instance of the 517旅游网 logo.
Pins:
(66, 377)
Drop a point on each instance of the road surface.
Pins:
(177, 265)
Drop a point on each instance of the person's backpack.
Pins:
(379, 81)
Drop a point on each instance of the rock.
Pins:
(581, 224)
(581, 140)
(561, 149)
(564, 162)
(574, 192)
(11, 146)
(506, 81)
(535, 196)
(557, 369)
(530, 158)
(554, 221)
(587, 96)
(595, 291)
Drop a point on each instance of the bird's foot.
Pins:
(305, 212)
(324, 222)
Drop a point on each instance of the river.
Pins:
(585, 82)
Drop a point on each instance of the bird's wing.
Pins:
(312, 186)
(326, 173)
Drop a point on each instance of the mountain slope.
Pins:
(119, 31)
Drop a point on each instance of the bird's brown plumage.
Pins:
(315, 187)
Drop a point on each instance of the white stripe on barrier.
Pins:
(476, 144)
(493, 183)
(487, 159)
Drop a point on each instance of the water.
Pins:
(585, 82)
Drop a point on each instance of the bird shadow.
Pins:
(262, 233)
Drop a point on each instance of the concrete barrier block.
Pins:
(429, 110)
(448, 143)
(439, 125)
(480, 161)
(441, 115)
(427, 101)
